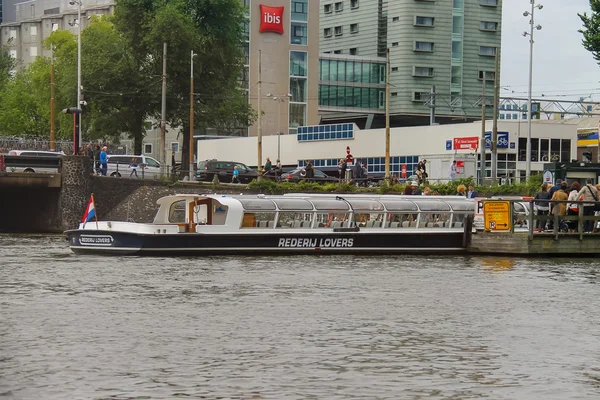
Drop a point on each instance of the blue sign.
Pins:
(502, 140)
(512, 145)
(448, 144)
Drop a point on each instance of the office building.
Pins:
(447, 45)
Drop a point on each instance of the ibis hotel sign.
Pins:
(271, 19)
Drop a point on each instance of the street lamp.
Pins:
(533, 27)
(279, 99)
(79, 102)
(191, 143)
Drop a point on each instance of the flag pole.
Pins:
(95, 213)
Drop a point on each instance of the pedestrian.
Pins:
(573, 208)
(560, 209)
(452, 171)
(133, 165)
(542, 207)
(589, 193)
(395, 179)
(97, 159)
(236, 175)
(472, 193)
(268, 165)
(278, 170)
(551, 192)
(309, 171)
(104, 161)
(416, 190)
(357, 172)
(460, 190)
(173, 163)
(342, 166)
(89, 152)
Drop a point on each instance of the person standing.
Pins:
(89, 152)
(104, 161)
(460, 190)
(589, 193)
(278, 170)
(236, 175)
(310, 172)
(472, 193)
(542, 207)
(452, 171)
(97, 159)
(342, 166)
(268, 165)
(133, 165)
(560, 209)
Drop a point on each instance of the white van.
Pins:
(32, 166)
(147, 167)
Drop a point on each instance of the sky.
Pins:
(562, 68)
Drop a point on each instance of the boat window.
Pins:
(369, 205)
(257, 204)
(401, 220)
(428, 205)
(329, 204)
(369, 220)
(293, 204)
(294, 220)
(219, 214)
(400, 205)
(258, 220)
(332, 220)
(462, 205)
(177, 212)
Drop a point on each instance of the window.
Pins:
(395, 44)
(298, 63)
(421, 96)
(353, 28)
(33, 51)
(394, 69)
(337, 52)
(299, 35)
(339, 6)
(33, 31)
(54, 27)
(13, 54)
(488, 26)
(297, 116)
(423, 46)
(424, 21)
(339, 31)
(354, 51)
(426, 72)
(175, 147)
(299, 10)
(395, 19)
(353, 4)
(298, 90)
(489, 75)
(327, 9)
(489, 3)
(458, 4)
(394, 94)
(487, 51)
(327, 32)
(147, 148)
(12, 34)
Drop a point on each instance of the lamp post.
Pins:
(279, 99)
(191, 144)
(79, 102)
(533, 27)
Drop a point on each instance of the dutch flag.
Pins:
(90, 211)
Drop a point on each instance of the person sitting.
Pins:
(268, 165)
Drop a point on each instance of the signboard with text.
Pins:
(496, 215)
(466, 143)
(271, 19)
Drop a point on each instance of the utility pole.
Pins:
(482, 140)
(494, 144)
(191, 144)
(432, 111)
(163, 112)
(52, 112)
(78, 105)
(259, 121)
(387, 117)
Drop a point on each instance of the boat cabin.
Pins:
(202, 213)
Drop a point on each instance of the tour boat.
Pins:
(199, 224)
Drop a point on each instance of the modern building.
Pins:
(436, 46)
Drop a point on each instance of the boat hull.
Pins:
(274, 242)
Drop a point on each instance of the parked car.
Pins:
(207, 170)
(118, 165)
(32, 165)
(299, 174)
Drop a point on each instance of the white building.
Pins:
(324, 145)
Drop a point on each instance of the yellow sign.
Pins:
(496, 215)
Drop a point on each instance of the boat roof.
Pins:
(304, 202)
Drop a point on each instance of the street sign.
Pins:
(502, 142)
(548, 177)
(496, 215)
(513, 145)
(448, 144)
(466, 143)
(404, 170)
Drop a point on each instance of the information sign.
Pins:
(466, 143)
(496, 215)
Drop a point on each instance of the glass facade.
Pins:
(298, 24)
(458, 27)
(325, 132)
(351, 71)
(374, 164)
(298, 90)
(349, 96)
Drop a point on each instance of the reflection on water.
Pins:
(339, 327)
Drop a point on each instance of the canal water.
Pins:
(339, 327)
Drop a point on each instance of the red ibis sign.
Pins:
(466, 143)
(271, 19)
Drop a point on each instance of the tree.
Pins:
(591, 33)
(7, 64)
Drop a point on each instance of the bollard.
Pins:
(348, 175)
